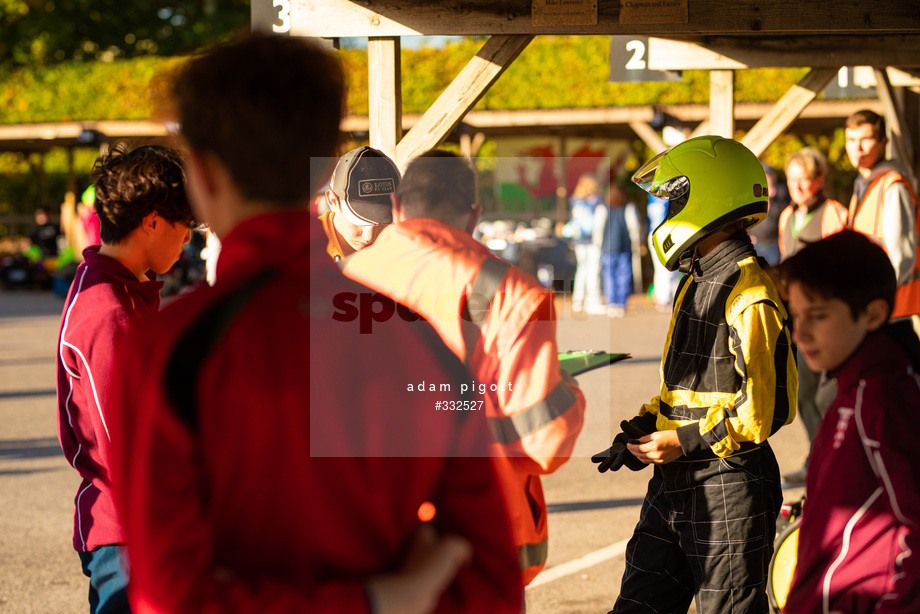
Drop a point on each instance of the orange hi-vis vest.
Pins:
(333, 248)
(865, 216)
(501, 322)
(824, 220)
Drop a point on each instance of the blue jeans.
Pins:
(108, 579)
(616, 270)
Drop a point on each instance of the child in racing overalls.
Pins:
(729, 381)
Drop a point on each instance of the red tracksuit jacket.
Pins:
(859, 541)
(300, 467)
(104, 299)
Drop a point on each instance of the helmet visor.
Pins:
(668, 184)
(645, 176)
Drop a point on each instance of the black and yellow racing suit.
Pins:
(728, 382)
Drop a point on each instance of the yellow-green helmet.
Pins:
(709, 182)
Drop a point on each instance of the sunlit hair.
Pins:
(587, 185)
(268, 107)
(811, 160)
(131, 184)
(847, 266)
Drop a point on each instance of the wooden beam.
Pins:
(331, 18)
(562, 192)
(70, 196)
(470, 144)
(460, 96)
(384, 78)
(649, 136)
(901, 140)
(478, 140)
(701, 129)
(737, 53)
(787, 109)
(722, 103)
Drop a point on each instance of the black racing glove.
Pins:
(618, 454)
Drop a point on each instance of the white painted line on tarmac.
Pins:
(582, 562)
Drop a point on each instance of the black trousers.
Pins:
(706, 529)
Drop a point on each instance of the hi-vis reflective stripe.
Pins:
(531, 555)
(486, 284)
(485, 287)
(511, 428)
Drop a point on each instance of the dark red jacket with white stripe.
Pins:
(104, 299)
(859, 541)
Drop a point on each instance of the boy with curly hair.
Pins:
(144, 219)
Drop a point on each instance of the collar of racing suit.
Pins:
(726, 254)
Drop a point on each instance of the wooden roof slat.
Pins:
(737, 53)
(334, 18)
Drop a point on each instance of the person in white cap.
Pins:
(359, 197)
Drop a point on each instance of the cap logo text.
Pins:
(376, 187)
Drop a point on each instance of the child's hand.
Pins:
(657, 448)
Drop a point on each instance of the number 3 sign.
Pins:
(271, 16)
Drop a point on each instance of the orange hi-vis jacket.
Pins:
(334, 249)
(824, 220)
(501, 322)
(875, 214)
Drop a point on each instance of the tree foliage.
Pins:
(39, 33)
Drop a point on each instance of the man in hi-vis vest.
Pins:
(884, 207)
(496, 318)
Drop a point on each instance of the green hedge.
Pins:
(552, 72)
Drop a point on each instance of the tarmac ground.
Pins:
(591, 515)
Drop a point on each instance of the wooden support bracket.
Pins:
(787, 109)
(649, 136)
(461, 95)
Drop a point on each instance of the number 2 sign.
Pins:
(629, 62)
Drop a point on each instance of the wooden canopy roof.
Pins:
(717, 35)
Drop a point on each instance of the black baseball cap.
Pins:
(363, 180)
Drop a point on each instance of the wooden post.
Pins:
(384, 77)
(909, 101)
(70, 196)
(722, 103)
(471, 143)
(562, 191)
(42, 182)
(466, 145)
(899, 137)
